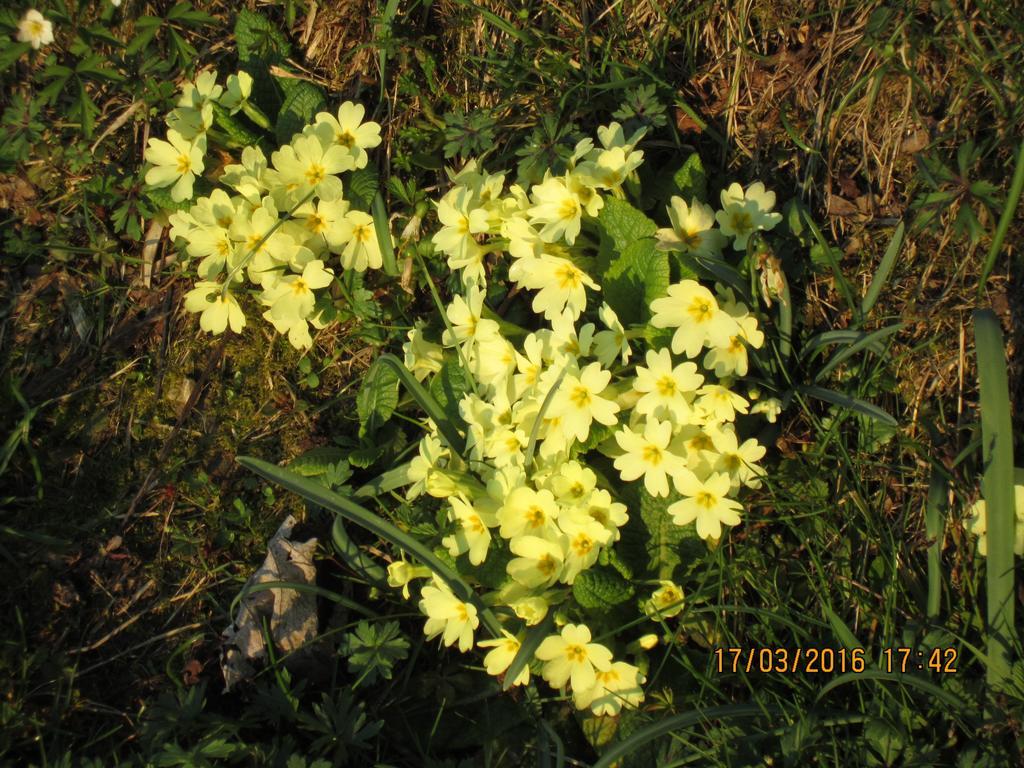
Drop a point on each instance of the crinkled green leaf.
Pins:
(634, 279)
(377, 398)
(690, 180)
(448, 387)
(316, 461)
(300, 106)
(257, 37)
(362, 188)
(600, 588)
(237, 132)
(622, 224)
(161, 199)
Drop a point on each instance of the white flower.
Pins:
(35, 29)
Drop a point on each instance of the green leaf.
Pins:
(238, 134)
(633, 280)
(161, 199)
(367, 455)
(362, 188)
(663, 539)
(527, 649)
(667, 725)
(377, 398)
(884, 268)
(853, 403)
(258, 39)
(449, 386)
(300, 106)
(12, 53)
(373, 649)
(621, 224)
(997, 490)
(445, 425)
(354, 557)
(316, 461)
(690, 180)
(599, 589)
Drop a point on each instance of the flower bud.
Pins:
(400, 573)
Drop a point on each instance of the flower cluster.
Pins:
(523, 491)
(278, 222)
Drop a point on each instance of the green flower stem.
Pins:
(256, 115)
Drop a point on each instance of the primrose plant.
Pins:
(619, 385)
(281, 223)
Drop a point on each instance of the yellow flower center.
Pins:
(580, 396)
(706, 500)
(184, 164)
(741, 222)
(252, 241)
(652, 455)
(582, 545)
(736, 344)
(732, 461)
(547, 565)
(223, 247)
(316, 223)
(599, 514)
(669, 597)
(692, 239)
(666, 386)
(346, 139)
(577, 490)
(568, 277)
(569, 208)
(700, 310)
(701, 442)
(475, 524)
(315, 174)
(35, 28)
(361, 232)
(461, 612)
(300, 287)
(462, 227)
(576, 653)
(535, 517)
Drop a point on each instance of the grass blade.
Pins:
(935, 511)
(867, 340)
(348, 509)
(843, 632)
(427, 403)
(527, 648)
(853, 403)
(841, 283)
(386, 481)
(677, 722)
(884, 269)
(914, 681)
(820, 340)
(997, 489)
(1016, 187)
(383, 230)
(354, 557)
